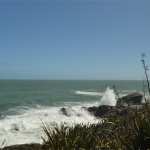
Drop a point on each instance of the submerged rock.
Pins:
(15, 127)
(67, 111)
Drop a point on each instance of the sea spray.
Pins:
(108, 98)
(26, 127)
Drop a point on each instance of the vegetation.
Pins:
(117, 132)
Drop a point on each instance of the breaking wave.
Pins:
(89, 93)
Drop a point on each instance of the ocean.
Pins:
(25, 104)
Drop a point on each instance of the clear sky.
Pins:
(98, 40)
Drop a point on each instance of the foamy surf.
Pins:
(26, 127)
(22, 108)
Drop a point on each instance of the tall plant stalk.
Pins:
(116, 91)
(146, 79)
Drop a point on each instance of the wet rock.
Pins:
(67, 111)
(64, 111)
(126, 111)
(112, 112)
(99, 111)
(92, 109)
(121, 107)
(15, 127)
(133, 98)
(121, 103)
(84, 108)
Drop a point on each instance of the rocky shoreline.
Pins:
(124, 106)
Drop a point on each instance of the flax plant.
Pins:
(78, 137)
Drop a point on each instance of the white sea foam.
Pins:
(89, 93)
(26, 127)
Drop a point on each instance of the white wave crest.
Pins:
(89, 93)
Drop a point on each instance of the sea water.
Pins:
(25, 104)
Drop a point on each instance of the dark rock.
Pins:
(84, 108)
(116, 110)
(104, 109)
(112, 112)
(22, 147)
(15, 127)
(67, 111)
(121, 103)
(121, 107)
(125, 111)
(133, 98)
(64, 112)
(99, 111)
(92, 109)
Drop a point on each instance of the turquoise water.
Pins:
(31, 93)
(24, 103)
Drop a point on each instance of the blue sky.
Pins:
(98, 40)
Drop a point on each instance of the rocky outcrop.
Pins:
(133, 98)
(67, 111)
(121, 103)
(99, 111)
(123, 106)
(118, 111)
